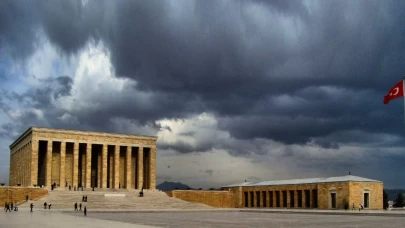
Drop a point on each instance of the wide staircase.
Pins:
(113, 199)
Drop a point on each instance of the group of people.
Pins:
(84, 199)
(361, 207)
(47, 204)
(11, 206)
(80, 207)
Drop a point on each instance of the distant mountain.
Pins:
(168, 186)
(392, 193)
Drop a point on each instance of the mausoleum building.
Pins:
(44, 156)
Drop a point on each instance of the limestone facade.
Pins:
(330, 195)
(43, 156)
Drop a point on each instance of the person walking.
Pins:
(85, 211)
(80, 207)
(45, 204)
(31, 206)
(49, 205)
(8, 207)
(76, 206)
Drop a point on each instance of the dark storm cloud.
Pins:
(289, 71)
(184, 147)
(18, 26)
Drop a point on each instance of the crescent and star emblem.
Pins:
(395, 92)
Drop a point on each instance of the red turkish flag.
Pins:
(395, 92)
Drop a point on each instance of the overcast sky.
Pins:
(235, 90)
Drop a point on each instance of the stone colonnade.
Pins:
(93, 164)
(305, 198)
(21, 160)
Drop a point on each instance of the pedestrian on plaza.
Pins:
(45, 204)
(80, 207)
(31, 206)
(8, 207)
(85, 211)
(26, 198)
(76, 206)
(49, 205)
(12, 206)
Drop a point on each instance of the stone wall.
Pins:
(18, 194)
(341, 189)
(375, 190)
(221, 199)
(266, 196)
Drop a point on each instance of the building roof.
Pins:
(80, 132)
(346, 178)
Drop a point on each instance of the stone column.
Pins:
(140, 167)
(117, 166)
(75, 163)
(88, 165)
(62, 179)
(49, 164)
(104, 166)
(99, 169)
(152, 168)
(34, 163)
(111, 171)
(296, 203)
(128, 167)
(248, 199)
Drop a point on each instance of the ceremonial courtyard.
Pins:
(73, 160)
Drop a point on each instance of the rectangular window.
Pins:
(299, 196)
(257, 199)
(284, 198)
(292, 203)
(366, 200)
(246, 198)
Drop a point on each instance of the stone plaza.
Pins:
(201, 218)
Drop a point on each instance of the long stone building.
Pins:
(43, 156)
(321, 193)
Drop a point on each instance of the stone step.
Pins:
(64, 199)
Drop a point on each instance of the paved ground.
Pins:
(201, 218)
(52, 219)
(235, 219)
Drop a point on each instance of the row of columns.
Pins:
(281, 198)
(20, 165)
(114, 168)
